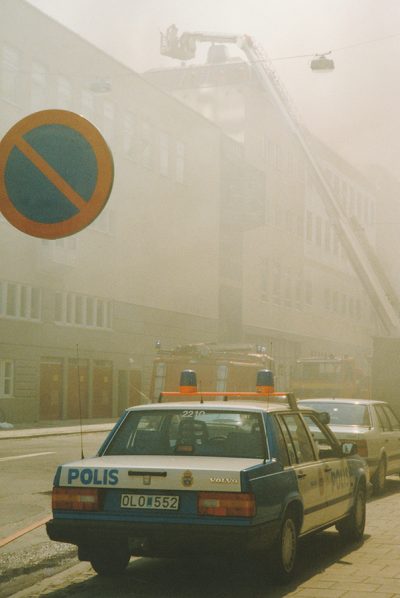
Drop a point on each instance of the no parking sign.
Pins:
(56, 174)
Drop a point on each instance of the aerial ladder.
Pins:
(361, 255)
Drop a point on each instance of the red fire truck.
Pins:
(230, 367)
(329, 377)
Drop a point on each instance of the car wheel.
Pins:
(108, 561)
(352, 527)
(284, 551)
(379, 477)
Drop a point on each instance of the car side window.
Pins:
(394, 422)
(289, 443)
(326, 447)
(282, 444)
(383, 420)
(300, 439)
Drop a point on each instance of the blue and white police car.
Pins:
(209, 473)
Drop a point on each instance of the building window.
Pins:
(264, 279)
(335, 243)
(164, 154)
(343, 308)
(351, 201)
(104, 223)
(288, 289)
(360, 200)
(11, 301)
(60, 251)
(308, 292)
(309, 226)
(19, 301)
(318, 231)
(327, 299)
(279, 158)
(335, 301)
(299, 293)
(289, 221)
(72, 309)
(357, 309)
(130, 128)
(328, 231)
(180, 162)
(87, 104)
(108, 121)
(146, 145)
(351, 307)
(38, 86)
(276, 284)
(9, 74)
(6, 378)
(64, 93)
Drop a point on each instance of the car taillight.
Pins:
(226, 504)
(76, 499)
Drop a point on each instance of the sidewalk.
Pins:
(54, 429)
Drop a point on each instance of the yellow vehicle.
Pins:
(220, 367)
(329, 377)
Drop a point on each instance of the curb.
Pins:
(79, 572)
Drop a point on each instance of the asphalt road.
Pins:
(27, 468)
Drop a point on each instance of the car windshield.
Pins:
(344, 414)
(190, 432)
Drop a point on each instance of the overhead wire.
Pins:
(370, 41)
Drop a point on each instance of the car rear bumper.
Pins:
(144, 539)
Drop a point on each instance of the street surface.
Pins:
(27, 468)
(32, 566)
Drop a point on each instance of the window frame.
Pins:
(282, 417)
(4, 378)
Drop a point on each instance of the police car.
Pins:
(210, 472)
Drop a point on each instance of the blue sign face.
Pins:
(56, 174)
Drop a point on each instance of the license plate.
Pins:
(149, 501)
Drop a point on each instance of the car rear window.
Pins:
(343, 414)
(190, 432)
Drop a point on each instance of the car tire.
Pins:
(352, 527)
(109, 561)
(284, 551)
(379, 477)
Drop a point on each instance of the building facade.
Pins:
(299, 289)
(215, 231)
(80, 316)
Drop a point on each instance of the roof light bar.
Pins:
(264, 390)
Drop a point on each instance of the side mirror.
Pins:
(324, 417)
(349, 448)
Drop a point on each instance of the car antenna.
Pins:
(79, 399)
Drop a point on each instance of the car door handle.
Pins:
(301, 475)
(327, 469)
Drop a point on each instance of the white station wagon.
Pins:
(372, 425)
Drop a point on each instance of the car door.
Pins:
(337, 478)
(390, 432)
(308, 469)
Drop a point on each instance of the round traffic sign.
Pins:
(56, 174)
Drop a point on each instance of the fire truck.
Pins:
(229, 367)
(329, 377)
(385, 377)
